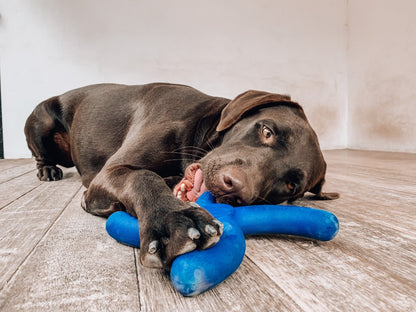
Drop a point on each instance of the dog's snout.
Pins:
(233, 183)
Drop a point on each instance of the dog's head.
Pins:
(269, 154)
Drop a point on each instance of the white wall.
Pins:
(382, 75)
(350, 63)
(220, 47)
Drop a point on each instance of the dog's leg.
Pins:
(168, 227)
(48, 140)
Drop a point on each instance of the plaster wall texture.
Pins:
(349, 63)
(382, 75)
(220, 47)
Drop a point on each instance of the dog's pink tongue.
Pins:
(199, 187)
(192, 185)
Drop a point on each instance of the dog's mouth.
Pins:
(192, 185)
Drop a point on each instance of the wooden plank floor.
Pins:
(56, 257)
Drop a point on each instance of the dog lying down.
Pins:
(133, 144)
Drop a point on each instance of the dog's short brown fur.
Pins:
(132, 144)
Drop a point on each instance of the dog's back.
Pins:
(85, 126)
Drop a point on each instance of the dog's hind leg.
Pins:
(48, 140)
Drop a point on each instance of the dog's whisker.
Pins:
(192, 147)
(184, 153)
(179, 159)
(189, 146)
(198, 152)
(192, 153)
(210, 145)
(192, 156)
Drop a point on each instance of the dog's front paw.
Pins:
(49, 173)
(181, 232)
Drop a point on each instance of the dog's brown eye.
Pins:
(267, 133)
(267, 136)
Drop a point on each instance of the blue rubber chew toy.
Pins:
(200, 270)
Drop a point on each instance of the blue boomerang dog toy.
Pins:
(200, 270)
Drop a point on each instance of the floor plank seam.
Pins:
(370, 262)
(17, 198)
(63, 209)
(139, 288)
(272, 281)
(367, 262)
(19, 164)
(9, 280)
(136, 268)
(18, 176)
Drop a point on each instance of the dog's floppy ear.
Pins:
(247, 101)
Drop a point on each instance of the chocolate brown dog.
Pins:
(132, 144)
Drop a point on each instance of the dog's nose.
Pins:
(234, 183)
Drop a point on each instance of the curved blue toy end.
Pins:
(123, 228)
(290, 220)
(197, 271)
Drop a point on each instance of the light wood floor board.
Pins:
(6, 164)
(11, 169)
(56, 257)
(26, 220)
(75, 267)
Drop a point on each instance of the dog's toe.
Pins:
(151, 256)
(151, 261)
(49, 173)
